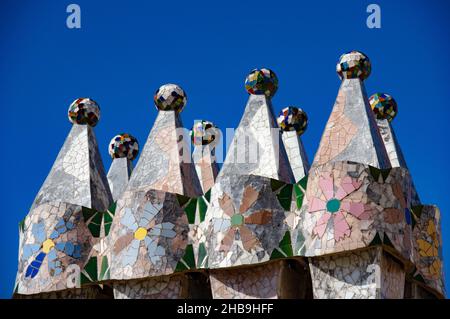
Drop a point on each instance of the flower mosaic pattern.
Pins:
(335, 205)
(54, 238)
(146, 231)
(49, 247)
(246, 224)
(238, 222)
(149, 235)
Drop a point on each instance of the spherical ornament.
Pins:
(261, 81)
(383, 106)
(354, 65)
(292, 118)
(123, 145)
(170, 97)
(203, 133)
(84, 111)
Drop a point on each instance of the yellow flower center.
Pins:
(47, 245)
(140, 233)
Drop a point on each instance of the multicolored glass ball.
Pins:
(261, 81)
(170, 97)
(123, 145)
(383, 106)
(203, 133)
(354, 65)
(84, 111)
(292, 118)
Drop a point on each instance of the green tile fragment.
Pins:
(190, 210)
(104, 270)
(182, 200)
(202, 261)
(202, 208)
(91, 269)
(208, 196)
(284, 249)
(188, 260)
(276, 184)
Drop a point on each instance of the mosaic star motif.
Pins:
(336, 206)
(238, 222)
(383, 106)
(293, 118)
(354, 65)
(261, 81)
(203, 133)
(123, 145)
(84, 111)
(170, 97)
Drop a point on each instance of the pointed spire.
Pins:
(244, 222)
(257, 148)
(164, 164)
(351, 133)
(149, 233)
(55, 232)
(205, 136)
(385, 109)
(123, 149)
(293, 122)
(78, 176)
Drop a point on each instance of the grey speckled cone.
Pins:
(149, 234)
(395, 153)
(245, 221)
(55, 239)
(118, 175)
(296, 154)
(77, 176)
(160, 165)
(257, 128)
(351, 133)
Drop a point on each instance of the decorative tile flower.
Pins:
(144, 231)
(49, 247)
(337, 206)
(238, 222)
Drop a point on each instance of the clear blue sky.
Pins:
(126, 49)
